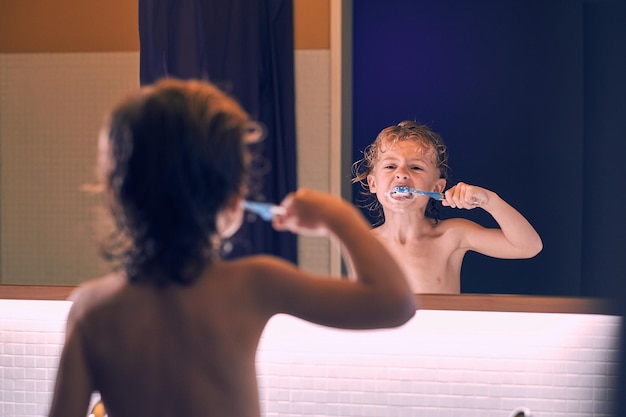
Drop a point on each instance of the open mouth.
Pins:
(399, 196)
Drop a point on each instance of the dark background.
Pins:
(530, 97)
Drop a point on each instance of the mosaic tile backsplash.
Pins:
(439, 364)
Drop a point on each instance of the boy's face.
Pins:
(404, 163)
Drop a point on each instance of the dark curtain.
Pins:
(246, 48)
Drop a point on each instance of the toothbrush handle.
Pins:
(433, 194)
(264, 210)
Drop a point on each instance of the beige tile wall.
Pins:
(51, 107)
(313, 126)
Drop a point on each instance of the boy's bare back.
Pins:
(175, 332)
(179, 351)
(191, 350)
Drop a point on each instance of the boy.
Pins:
(430, 250)
(173, 331)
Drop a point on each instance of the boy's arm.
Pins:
(378, 297)
(73, 387)
(516, 237)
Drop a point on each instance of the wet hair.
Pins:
(402, 132)
(174, 154)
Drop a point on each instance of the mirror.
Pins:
(529, 75)
(59, 72)
(526, 95)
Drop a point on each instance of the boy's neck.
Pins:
(402, 228)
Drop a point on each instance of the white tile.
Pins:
(377, 383)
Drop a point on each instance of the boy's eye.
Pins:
(416, 168)
(390, 166)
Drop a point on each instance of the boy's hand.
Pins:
(309, 212)
(465, 196)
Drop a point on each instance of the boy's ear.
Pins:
(230, 218)
(371, 183)
(441, 185)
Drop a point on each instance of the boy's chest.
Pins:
(431, 265)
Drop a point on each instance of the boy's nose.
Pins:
(401, 176)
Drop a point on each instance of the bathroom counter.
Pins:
(470, 354)
(35, 292)
(465, 302)
(442, 362)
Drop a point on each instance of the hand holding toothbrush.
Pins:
(305, 212)
(465, 196)
(311, 213)
(300, 212)
(461, 195)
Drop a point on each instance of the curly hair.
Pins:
(404, 131)
(173, 155)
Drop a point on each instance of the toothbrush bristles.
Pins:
(401, 190)
(404, 190)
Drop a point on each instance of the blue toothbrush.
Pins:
(266, 211)
(404, 190)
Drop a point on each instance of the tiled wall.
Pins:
(51, 108)
(441, 363)
(312, 76)
(31, 335)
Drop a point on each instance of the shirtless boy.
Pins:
(173, 330)
(430, 250)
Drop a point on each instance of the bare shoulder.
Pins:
(456, 224)
(461, 231)
(90, 294)
(277, 285)
(265, 268)
(451, 233)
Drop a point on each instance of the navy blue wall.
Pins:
(519, 90)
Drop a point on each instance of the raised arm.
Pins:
(379, 296)
(516, 237)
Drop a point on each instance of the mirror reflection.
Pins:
(523, 93)
(525, 96)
